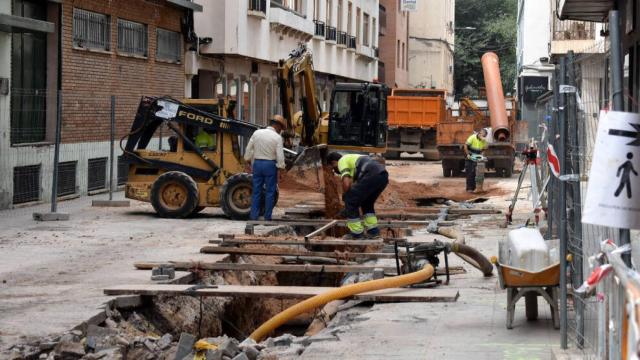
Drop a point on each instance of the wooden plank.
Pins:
(284, 240)
(219, 266)
(275, 251)
(290, 292)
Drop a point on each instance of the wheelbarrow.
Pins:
(521, 283)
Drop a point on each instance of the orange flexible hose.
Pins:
(339, 293)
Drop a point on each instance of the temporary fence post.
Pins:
(111, 144)
(562, 207)
(56, 154)
(112, 176)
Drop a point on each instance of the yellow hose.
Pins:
(339, 293)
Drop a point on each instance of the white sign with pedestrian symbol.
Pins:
(613, 191)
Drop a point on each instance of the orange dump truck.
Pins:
(413, 116)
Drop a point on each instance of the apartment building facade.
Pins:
(248, 38)
(432, 44)
(394, 44)
(80, 53)
(542, 37)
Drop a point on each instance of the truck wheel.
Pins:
(506, 172)
(174, 194)
(235, 196)
(446, 171)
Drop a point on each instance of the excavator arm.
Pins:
(304, 123)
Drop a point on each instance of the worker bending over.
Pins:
(265, 153)
(363, 180)
(474, 147)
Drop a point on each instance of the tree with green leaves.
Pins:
(495, 30)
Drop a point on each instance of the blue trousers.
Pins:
(265, 182)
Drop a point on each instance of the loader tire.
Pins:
(473, 257)
(174, 194)
(197, 210)
(235, 197)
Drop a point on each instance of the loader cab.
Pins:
(358, 116)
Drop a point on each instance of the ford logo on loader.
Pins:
(195, 117)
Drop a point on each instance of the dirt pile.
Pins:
(402, 194)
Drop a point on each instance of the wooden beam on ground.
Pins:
(318, 222)
(440, 294)
(218, 266)
(289, 240)
(273, 251)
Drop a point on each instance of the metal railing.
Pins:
(351, 42)
(169, 45)
(342, 38)
(330, 33)
(91, 30)
(573, 30)
(258, 5)
(319, 28)
(132, 38)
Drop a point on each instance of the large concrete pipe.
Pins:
(495, 97)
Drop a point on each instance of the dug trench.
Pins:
(166, 327)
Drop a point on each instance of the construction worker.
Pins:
(265, 153)
(205, 141)
(475, 145)
(363, 180)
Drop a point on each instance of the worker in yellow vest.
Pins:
(474, 147)
(363, 180)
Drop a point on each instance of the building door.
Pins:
(28, 77)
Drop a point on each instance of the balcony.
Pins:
(366, 52)
(376, 52)
(351, 42)
(569, 35)
(331, 33)
(319, 29)
(342, 39)
(573, 30)
(290, 23)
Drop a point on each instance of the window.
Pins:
(169, 45)
(295, 5)
(404, 59)
(132, 38)
(26, 184)
(258, 5)
(97, 171)
(328, 12)
(373, 31)
(365, 30)
(398, 54)
(316, 9)
(358, 37)
(349, 20)
(91, 30)
(123, 170)
(67, 178)
(340, 15)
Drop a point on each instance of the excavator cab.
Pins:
(358, 117)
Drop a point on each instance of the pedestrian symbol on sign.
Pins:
(625, 180)
(613, 189)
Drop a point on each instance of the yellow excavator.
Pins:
(189, 177)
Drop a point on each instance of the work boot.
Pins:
(373, 234)
(352, 236)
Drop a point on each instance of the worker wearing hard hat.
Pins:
(265, 153)
(475, 145)
(363, 180)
